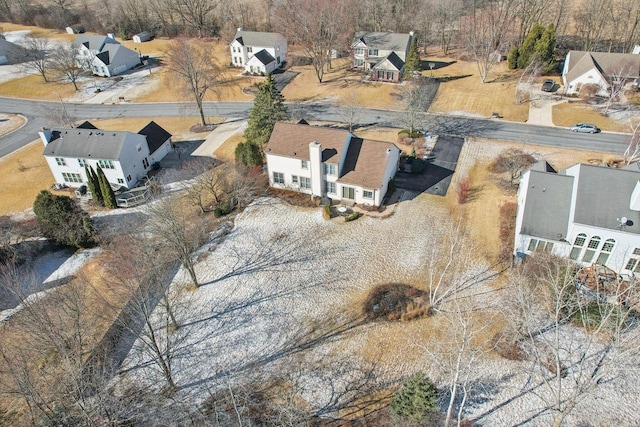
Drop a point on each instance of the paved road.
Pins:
(40, 113)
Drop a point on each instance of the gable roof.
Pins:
(264, 57)
(292, 140)
(156, 135)
(92, 42)
(547, 205)
(391, 62)
(256, 38)
(365, 163)
(87, 143)
(596, 204)
(580, 62)
(384, 41)
(8, 49)
(86, 125)
(115, 53)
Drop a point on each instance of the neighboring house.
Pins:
(104, 55)
(142, 37)
(598, 68)
(258, 52)
(590, 214)
(330, 163)
(125, 157)
(9, 52)
(383, 55)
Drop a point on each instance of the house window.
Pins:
(294, 179)
(592, 247)
(60, 161)
(633, 264)
(389, 75)
(120, 181)
(250, 50)
(367, 194)
(348, 193)
(278, 178)
(360, 51)
(577, 246)
(359, 62)
(540, 245)
(305, 182)
(380, 75)
(82, 162)
(606, 250)
(106, 164)
(373, 52)
(128, 178)
(331, 187)
(330, 169)
(71, 177)
(532, 245)
(304, 164)
(145, 163)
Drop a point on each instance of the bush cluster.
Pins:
(223, 209)
(326, 212)
(352, 217)
(417, 399)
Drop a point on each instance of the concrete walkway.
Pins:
(219, 135)
(541, 111)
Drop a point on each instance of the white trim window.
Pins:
(82, 162)
(72, 177)
(633, 263)
(278, 178)
(592, 248)
(578, 244)
(539, 245)
(330, 169)
(106, 164)
(605, 252)
(294, 179)
(304, 164)
(60, 161)
(305, 182)
(331, 187)
(367, 194)
(348, 192)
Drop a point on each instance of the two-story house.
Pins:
(383, 55)
(590, 214)
(598, 68)
(330, 163)
(125, 157)
(103, 55)
(258, 52)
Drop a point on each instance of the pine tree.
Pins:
(416, 399)
(545, 48)
(94, 185)
(512, 58)
(248, 154)
(413, 63)
(268, 108)
(107, 192)
(527, 50)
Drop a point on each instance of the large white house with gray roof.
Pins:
(590, 214)
(104, 55)
(258, 52)
(383, 55)
(124, 157)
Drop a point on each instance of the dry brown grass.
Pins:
(24, 174)
(468, 94)
(34, 87)
(227, 151)
(179, 127)
(572, 112)
(37, 31)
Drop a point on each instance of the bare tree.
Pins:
(527, 80)
(33, 57)
(616, 82)
(197, 15)
(351, 109)
(632, 152)
(417, 96)
(194, 69)
(578, 337)
(590, 20)
(64, 62)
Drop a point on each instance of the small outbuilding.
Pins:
(142, 37)
(75, 29)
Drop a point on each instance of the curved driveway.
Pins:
(37, 112)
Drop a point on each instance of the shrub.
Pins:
(417, 398)
(512, 58)
(464, 188)
(352, 217)
(393, 300)
(63, 220)
(326, 212)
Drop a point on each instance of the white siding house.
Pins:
(383, 54)
(258, 52)
(597, 68)
(330, 163)
(125, 157)
(590, 214)
(103, 55)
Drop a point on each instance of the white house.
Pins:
(124, 157)
(258, 52)
(383, 54)
(590, 214)
(330, 163)
(597, 68)
(104, 55)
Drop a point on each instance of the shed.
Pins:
(142, 37)
(75, 29)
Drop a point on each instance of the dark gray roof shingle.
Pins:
(547, 206)
(156, 135)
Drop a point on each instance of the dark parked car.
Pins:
(548, 85)
(585, 127)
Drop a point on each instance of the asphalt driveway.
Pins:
(436, 178)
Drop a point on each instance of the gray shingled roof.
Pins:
(114, 52)
(256, 38)
(547, 206)
(393, 59)
(92, 42)
(87, 143)
(603, 196)
(383, 41)
(607, 63)
(156, 135)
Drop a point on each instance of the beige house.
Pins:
(597, 68)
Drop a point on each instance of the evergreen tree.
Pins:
(413, 59)
(512, 58)
(268, 108)
(63, 220)
(94, 185)
(527, 50)
(416, 399)
(107, 192)
(248, 154)
(545, 48)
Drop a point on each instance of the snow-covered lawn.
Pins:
(279, 299)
